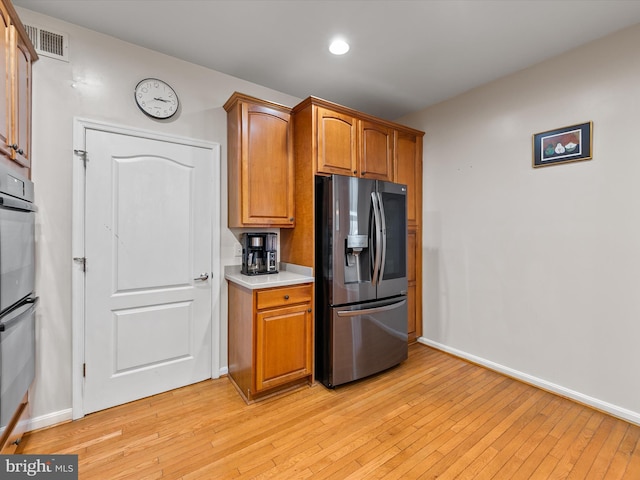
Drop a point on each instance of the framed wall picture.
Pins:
(562, 145)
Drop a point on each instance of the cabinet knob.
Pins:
(291, 219)
(309, 310)
(286, 297)
(355, 172)
(14, 146)
(363, 173)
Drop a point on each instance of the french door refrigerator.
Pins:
(361, 278)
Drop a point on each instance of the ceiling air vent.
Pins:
(48, 43)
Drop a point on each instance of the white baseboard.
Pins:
(223, 371)
(49, 419)
(616, 411)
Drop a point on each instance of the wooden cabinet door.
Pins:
(15, 122)
(267, 166)
(5, 84)
(22, 99)
(337, 142)
(412, 270)
(283, 345)
(408, 171)
(408, 165)
(376, 151)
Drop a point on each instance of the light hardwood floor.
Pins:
(434, 416)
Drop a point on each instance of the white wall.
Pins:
(98, 84)
(536, 272)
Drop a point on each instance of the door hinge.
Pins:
(82, 154)
(82, 261)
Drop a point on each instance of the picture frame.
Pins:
(563, 145)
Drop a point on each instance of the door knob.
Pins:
(203, 277)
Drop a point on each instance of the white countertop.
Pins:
(288, 274)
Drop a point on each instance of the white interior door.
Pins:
(148, 244)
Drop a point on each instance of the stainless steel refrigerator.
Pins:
(361, 278)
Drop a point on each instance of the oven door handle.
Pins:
(16, 204)
(30, 302)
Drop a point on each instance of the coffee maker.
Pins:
(259, 253)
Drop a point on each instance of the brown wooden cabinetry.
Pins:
(414, 284)
(270, 338)
(376, 151)
(345, 142)
(260, 163)
(266, 179)
(408, 170)
(337, 142)
(16, 55)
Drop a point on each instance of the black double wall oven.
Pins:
(17, 292)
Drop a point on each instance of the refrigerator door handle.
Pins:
(383, 229)
(375, 230)
(355, 313)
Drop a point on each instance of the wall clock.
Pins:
(156, 98)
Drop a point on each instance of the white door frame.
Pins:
(80, 126)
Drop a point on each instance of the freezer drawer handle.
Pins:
(355, 313)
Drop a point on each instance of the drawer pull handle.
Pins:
(286, 297)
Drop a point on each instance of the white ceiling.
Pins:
(405, 55)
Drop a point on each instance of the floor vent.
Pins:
(48, 43)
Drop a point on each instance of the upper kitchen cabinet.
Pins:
(376, 151)
(342, 141)
(16, 56)
(260, 163)
(337, 142)
(408, 170)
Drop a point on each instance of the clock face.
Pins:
(156, 98)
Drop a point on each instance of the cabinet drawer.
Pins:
(283, 296)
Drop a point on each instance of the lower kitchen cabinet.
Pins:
(270, 339)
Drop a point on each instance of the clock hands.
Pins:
(156, 98)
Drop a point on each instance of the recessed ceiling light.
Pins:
(339, 47)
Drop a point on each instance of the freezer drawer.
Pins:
(367, 339)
